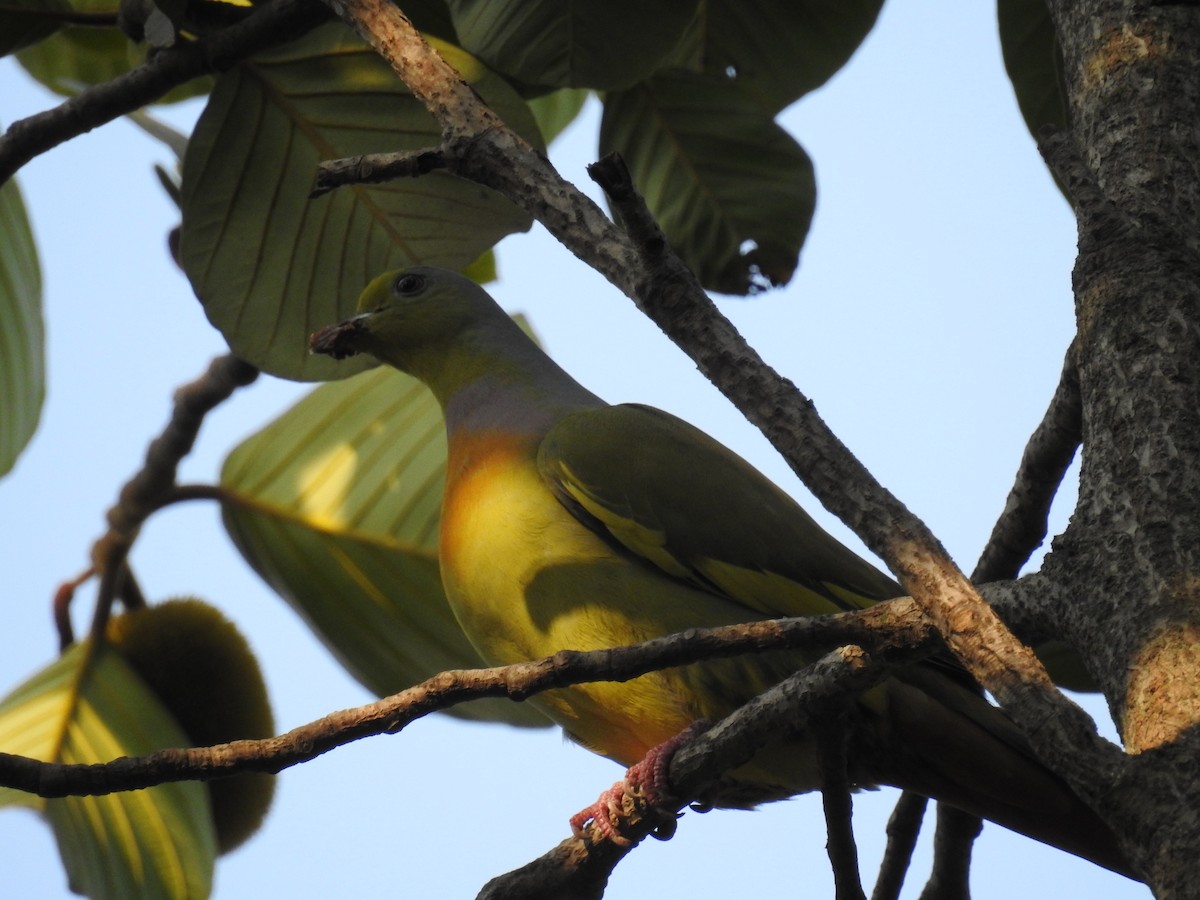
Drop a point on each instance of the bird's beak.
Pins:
(339, 341)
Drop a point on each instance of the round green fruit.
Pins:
(202, 669)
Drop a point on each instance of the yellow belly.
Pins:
(525, 579)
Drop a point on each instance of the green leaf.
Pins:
(600, 44)
(74, 58)
(154, 843)
(733, 192)
(22, 336)
(483, 269)
(173, 139)
(336, 505)
(271, 266)
(779, 50)
(558, 109)
(1033, 61)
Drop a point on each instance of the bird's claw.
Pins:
(647, 785)
(608, 806)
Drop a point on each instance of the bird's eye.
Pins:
(408, 284)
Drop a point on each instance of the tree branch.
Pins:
(1002, 664)
(903, 827)
(154, 484)
(836, 800)
(276, 22)
(478, 145)
(375, 168)
(580, 866)
(1022, 525)
(1019, 530)
(953, 841)
(894, 630)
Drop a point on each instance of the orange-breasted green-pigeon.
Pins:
(571, 523)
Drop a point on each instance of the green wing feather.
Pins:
(684, 503)
(672, 495)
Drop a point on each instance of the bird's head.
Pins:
(403, 313)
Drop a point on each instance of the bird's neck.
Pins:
(489, 381)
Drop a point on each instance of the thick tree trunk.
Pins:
(1129, 559)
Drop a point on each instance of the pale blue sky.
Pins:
(928, 321)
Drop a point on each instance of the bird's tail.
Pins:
(947, 743)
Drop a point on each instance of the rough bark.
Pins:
(1128, 560)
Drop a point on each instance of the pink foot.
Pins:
(646, 783)
(608, 806)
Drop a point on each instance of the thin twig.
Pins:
(154, 484)
(476, 144)
(836, 800)
(903, 827)
(155, 481)
(61, 605)
(111, 561)
(953, 841)
(375, 168)
(128, 590)
(185, 493)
